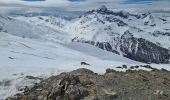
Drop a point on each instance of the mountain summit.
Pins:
(103, 8)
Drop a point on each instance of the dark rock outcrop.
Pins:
(102, 45)
(157, 33)
(84, 63)
(134, 48)
(143, 50)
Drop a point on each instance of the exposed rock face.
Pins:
(1, 27)
(103, 10)
(69, 88)
(102, 45)
(134, 48)
(157, 33)
(142, 50)
(83, 84)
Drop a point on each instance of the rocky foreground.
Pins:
(83, 84)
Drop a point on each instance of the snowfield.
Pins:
(22, 57)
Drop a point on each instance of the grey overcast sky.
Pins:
(77, 3)
(82, 5)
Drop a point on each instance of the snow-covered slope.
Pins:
(48, 21)
(34, 27)
(22, 57)
(142, 37)
(19, 28)
(27, 49)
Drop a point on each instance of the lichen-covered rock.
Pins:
(83, 84)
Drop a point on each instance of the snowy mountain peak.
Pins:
(129, 34)
(102, 8)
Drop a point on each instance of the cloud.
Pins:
(37, 3)
(33, 0)
(56, 3)
(77, 0)
(84, 5)
(143, 1)
(73, 7)
(78, 3)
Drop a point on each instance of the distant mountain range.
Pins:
(143, 37)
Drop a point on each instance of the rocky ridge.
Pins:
(83, 84)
